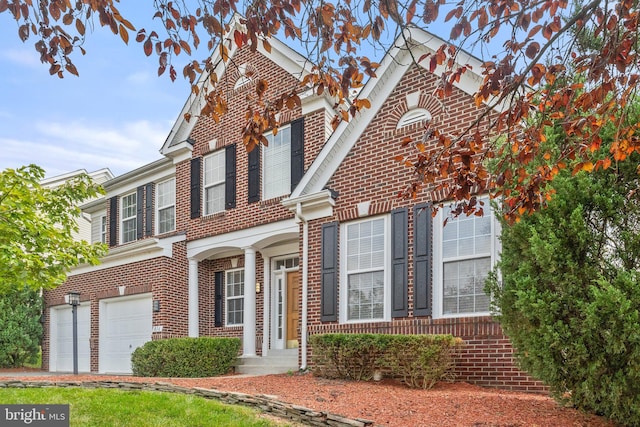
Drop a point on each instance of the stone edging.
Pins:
(265, 403)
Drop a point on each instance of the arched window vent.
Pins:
(416, 115)
(246, 74)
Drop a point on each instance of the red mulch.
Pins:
(387, 402)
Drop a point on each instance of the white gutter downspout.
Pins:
(305, 283)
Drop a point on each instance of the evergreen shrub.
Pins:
(185, 357)
(418, 360)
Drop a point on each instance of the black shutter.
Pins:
(218, 284)
(230, 178)
(148, 212)
(113, 221)
(329, 280)
(297, 151)
(195, 187)
(140, 212)
(422, 221)
(399, 271)
(254, 174)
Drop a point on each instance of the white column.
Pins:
(305, 290)
(249, 327)
(266, 289)
(193, 298)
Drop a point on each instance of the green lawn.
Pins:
(107, 407)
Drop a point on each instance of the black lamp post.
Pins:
(74, 301)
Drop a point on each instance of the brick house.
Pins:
(301, 237)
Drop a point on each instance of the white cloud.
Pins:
(25, 57)
(63, 147)
(139, 78)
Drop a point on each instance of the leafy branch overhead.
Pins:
(542, 61)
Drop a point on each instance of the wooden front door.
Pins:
(293, 312)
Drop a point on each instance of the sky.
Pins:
(116, 115)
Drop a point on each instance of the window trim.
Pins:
(158, 208)
(129, 218)
(438, 260)
(104, 230)
(263, 168)
(221, 183)
(343, 278)
(227, 298)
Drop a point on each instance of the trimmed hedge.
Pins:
(418, 360)
(185, 357)
(350, 356)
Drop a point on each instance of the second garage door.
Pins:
(125, 324)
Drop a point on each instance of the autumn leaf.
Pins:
(185, 46)
(238, 37)
(124, 35)
(261, 87)
(71, 68)
(148, 47)
(532, 49)
(266, 45)
(224, 52)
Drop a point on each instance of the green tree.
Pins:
(37, 248)
(20, 327)
(569, 291)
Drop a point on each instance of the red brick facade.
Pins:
(368, 173)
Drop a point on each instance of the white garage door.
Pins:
(125, 324)
(61, 338)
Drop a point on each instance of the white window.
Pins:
(128, 217)
(465, 251)
(276, 166)
(99, 227)
(214, 176)
(234, 297)
(166, 200)
(103, 229)
(287, 263)
(365, 282)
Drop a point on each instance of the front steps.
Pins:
(276, 362)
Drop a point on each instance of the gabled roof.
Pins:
(280, 53)
(99, 176)
(409, 46)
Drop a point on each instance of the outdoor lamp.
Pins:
(73, 298)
